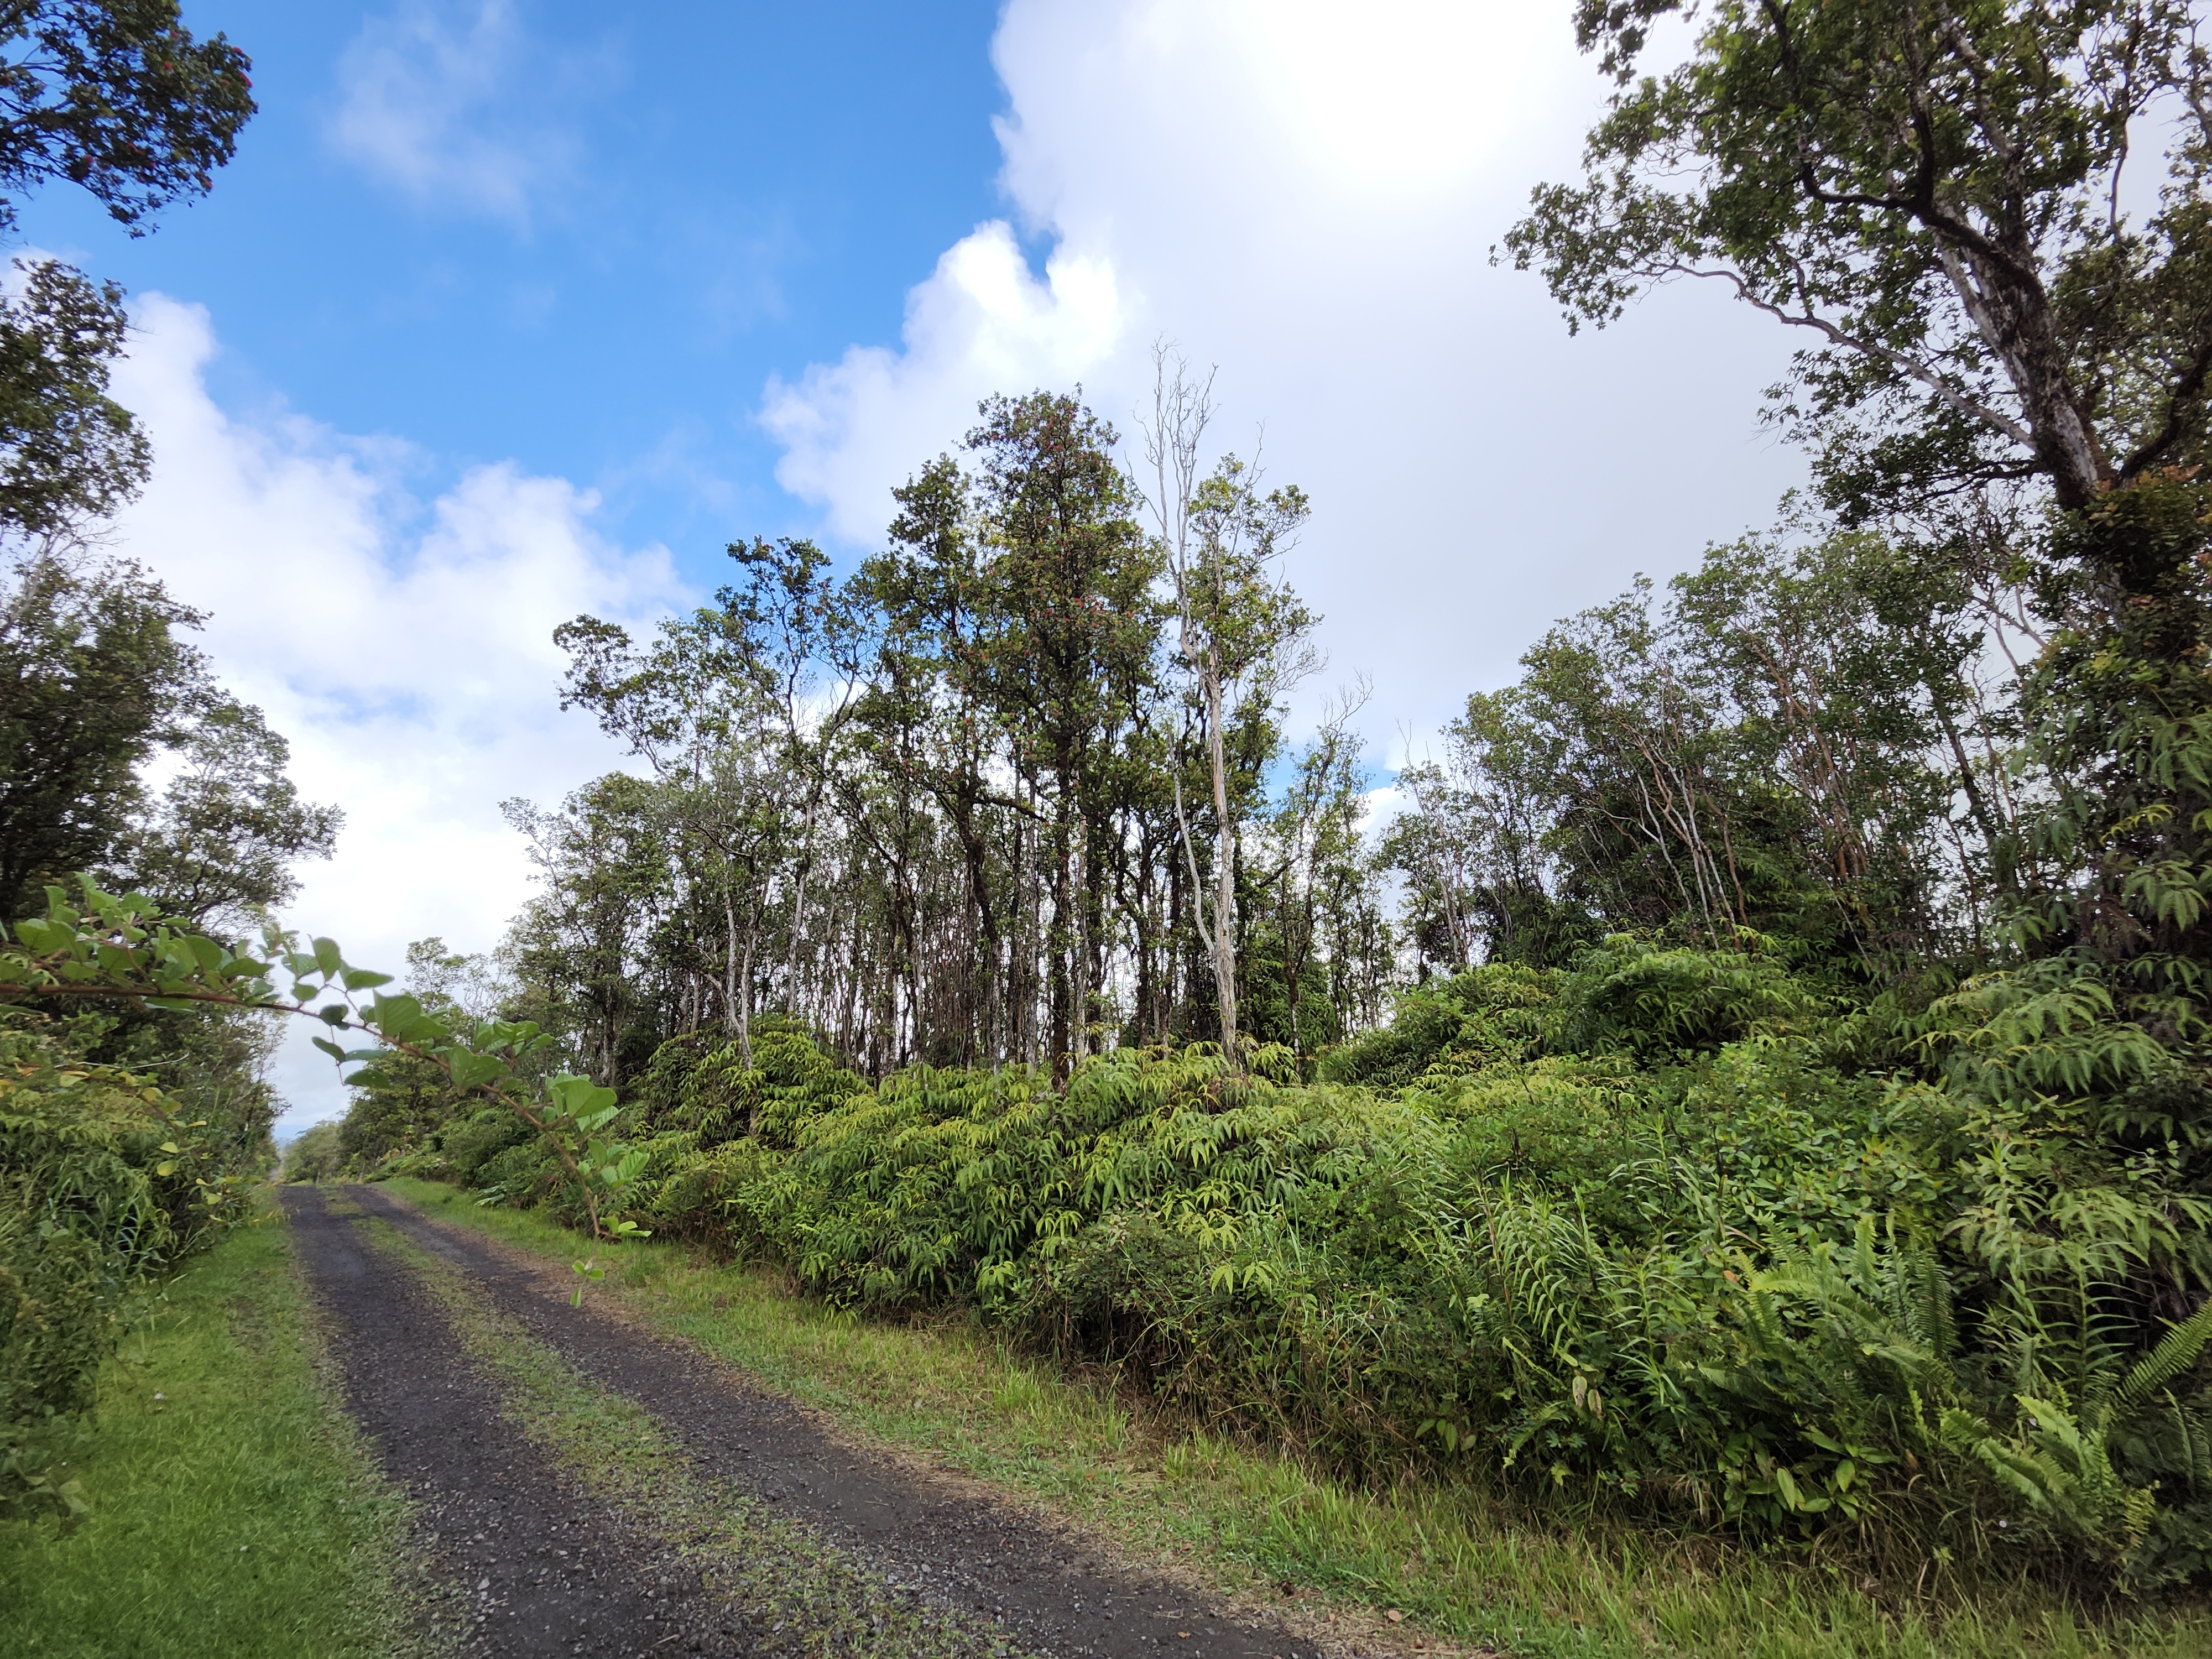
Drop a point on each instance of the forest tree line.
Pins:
(959, 806)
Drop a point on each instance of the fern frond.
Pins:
(2176, 1352)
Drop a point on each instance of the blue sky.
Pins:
(506, 312)
(642, 220)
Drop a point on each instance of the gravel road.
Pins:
(888, 1560)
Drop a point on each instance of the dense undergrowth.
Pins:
(107, 1180)
(1677, 1233)
(1449, 1549)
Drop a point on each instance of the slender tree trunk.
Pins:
(730, 1020)
(745, 989)
(799, 903)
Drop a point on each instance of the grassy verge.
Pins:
(232, 1513)
(1450, 1558)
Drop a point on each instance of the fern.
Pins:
(2177, 1351)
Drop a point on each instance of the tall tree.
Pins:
(1936, 191)
(93, 680)
(1075, 633)
(117, 98)
(1238, 627)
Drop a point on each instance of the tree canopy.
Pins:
(1941, 197)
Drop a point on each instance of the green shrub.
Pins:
(103, 1181)
(1653, 1232)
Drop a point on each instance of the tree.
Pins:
(405, 1098)
(602, 858)
(1074, 636)
(929, 702)
(928, 811)
(116, 97)
(718, 706)
(795, 624)
(1940, 195)
(314, 1154)
(93, 680)
(1935, 192)
(1315, 840)
(1797, 738)
(1239, 628)
(67, 451)
(96, 684)
(220, 843)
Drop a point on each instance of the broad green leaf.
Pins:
(472, 1071)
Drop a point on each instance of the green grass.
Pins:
(1457, 1561)
(232, 1514)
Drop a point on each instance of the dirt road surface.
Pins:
(535, 1563)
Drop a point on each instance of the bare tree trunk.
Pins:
(1224, 870)
(745, 990)
(729, 1021)
(1079, 975)
(799, 904)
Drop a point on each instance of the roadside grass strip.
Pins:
(1450, 1557)
(779, 1576)
(233, 1512)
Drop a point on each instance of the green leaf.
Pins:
(365, 979)
(328, 961)
(472, 1071)
(329, 1048)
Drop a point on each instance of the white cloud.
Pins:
(450, 106)
(981, 323)
(406, 652)
(1307, 194)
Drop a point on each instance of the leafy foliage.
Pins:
(105, 1180)
(67, 451)
(117, 97)
(1641, 1233)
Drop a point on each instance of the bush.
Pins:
(314, 1154)
(103, 1182)
(1653, 1232)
